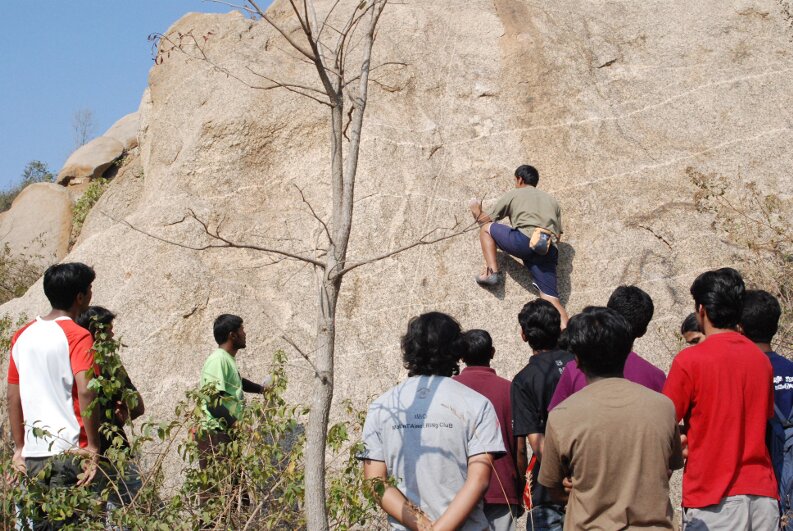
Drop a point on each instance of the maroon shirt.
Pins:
(504, 477)
(637, 370)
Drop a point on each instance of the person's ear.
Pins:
(523, 336)
(492, 352)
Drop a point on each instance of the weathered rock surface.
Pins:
(38, 223)
(90, 161)
(125, 130)
(612, 101)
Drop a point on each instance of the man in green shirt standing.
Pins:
(536, 229)
(221, 370)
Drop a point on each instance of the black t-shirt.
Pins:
(531, 393)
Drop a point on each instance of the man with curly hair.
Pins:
(429, 442)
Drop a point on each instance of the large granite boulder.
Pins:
(612, 101)
(90, 161)
(38, 224)
(125, 130)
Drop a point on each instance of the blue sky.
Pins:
(59, 56)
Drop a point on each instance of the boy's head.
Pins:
(601, 340)
(540, 324)
(478, 348)
(720, 294)
(527, 175)
(433, 345)
(760, 316)
(68, 286)
(228, 330)
(635, 305)
(97, 318)
(690, 330)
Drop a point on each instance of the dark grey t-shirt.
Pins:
(425, 429)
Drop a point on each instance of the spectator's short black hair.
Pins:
(541, 324)
(433, 345)
(760, 317)
(95, 318)
(528, 174)
(721, 292)
(601, 340)
(635, 305)
(224, 325)
(63, 282)
(690, 324)
(478, 348)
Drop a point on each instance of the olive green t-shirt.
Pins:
(220, 368)
(616, 440)
(528, 208)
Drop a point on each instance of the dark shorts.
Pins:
(542, 268)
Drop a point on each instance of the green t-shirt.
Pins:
(220, 368)
(527, 209)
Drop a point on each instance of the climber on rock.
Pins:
(536, 228)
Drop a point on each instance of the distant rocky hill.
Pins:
(612, 101)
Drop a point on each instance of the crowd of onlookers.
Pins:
(585, 436)
(606, 428)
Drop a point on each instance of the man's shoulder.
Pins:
(645, 365)
(18, 333)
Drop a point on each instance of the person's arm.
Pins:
(17, 420)
(91, 424)
(536, 442)
(476, 483)
(680, 389)
(123, 413)
(521, 462)
(392, 500)
(250, 387)
(552, 470)
(476, 210)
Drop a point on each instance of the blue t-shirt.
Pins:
(783, 382)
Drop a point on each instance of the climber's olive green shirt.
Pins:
(220, 368)
(528, 208)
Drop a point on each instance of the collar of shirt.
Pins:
(479, 368)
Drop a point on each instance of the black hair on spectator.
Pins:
(95, 318)
(528, 174)
(760, 317)
(563, 343)
(541, 324)
(478, 348)
(601, 340)
(690, 324)
(224, 325)
(433, 345)
(635, 305)
(63, 282)
(721, 292)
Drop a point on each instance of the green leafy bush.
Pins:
(256, 481)
(84, 205)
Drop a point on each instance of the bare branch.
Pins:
(313, 213)
(224, 242)
(305, 357)
(388, 63)
(283, 33)
(421, 241)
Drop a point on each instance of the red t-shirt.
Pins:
(487, 383)
(722, 389)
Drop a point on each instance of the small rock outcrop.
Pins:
(90, 161)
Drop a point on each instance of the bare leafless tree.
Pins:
(83, 126)
(343, 83)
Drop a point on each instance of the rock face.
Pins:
(90, 161)
(125, 130)
(39, 223)
(611, 101)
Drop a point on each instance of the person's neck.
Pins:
(485, 365)
(55, 313)
(540, 351)
(228, 347)
(590, 378)
(765, 347)
(710, 330)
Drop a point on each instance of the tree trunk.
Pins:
(322, 396)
